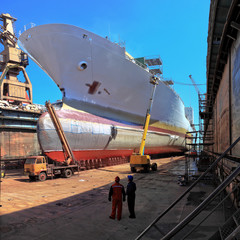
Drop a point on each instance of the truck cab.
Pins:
(36, 166)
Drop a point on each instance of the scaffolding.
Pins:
(152, 63)
(229, 229)
(200, 141)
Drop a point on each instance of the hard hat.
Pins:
(117, 179)
(130, 177)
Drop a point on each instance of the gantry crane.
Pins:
(12, 61)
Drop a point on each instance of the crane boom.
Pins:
(69, 157)
(195, 85)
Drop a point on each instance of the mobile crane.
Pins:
(38, 166)
(139, 161)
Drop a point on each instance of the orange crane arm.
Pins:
(62, 137)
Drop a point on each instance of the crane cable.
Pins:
(189, 84)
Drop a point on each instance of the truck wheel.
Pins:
(133, 169)
(154, 167)
(68, 173)
(42, 176)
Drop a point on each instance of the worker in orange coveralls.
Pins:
(118, 195)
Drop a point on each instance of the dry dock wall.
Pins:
(226, 108)
(223, 75)
(18, 135)
(221, 115)
(223, 84)
(227, 103)
(235, 56)
(18, 145)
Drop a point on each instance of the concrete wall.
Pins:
(221, 119)
(18, 145)
(221, 114)
(235, 52)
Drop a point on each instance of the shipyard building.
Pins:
(221, 105)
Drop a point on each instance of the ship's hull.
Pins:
(106, 154)
(92, 137)
(96, 77)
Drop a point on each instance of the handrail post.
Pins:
(189, 189)
(194, 213)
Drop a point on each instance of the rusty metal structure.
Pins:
(18, 137)
(222, 107)
(18, 117)
(13, 61)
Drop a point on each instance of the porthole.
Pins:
(82, 66)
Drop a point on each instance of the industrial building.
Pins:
(221, 106)
(223, 75)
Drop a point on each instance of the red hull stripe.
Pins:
(101, 154)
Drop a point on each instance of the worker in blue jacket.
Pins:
(131, 189)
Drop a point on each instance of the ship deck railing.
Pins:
(133, 60)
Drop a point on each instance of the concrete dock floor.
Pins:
(78, 207)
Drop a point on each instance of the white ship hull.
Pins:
(96, 77)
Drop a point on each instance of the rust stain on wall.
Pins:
(17, 145)
(236, 98)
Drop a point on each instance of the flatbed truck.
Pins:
(38, 168)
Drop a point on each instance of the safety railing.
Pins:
(199, 209)
(138, 63)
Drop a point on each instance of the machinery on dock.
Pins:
(38, 166)
(13, 61)
(139, 161)
(2, 170)
(19, 116)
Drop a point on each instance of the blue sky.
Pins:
(176, 30)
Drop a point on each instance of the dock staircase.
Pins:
(231, 228)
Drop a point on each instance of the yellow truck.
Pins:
(2, 170)
(38, 168)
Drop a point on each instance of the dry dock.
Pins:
(78, 208)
